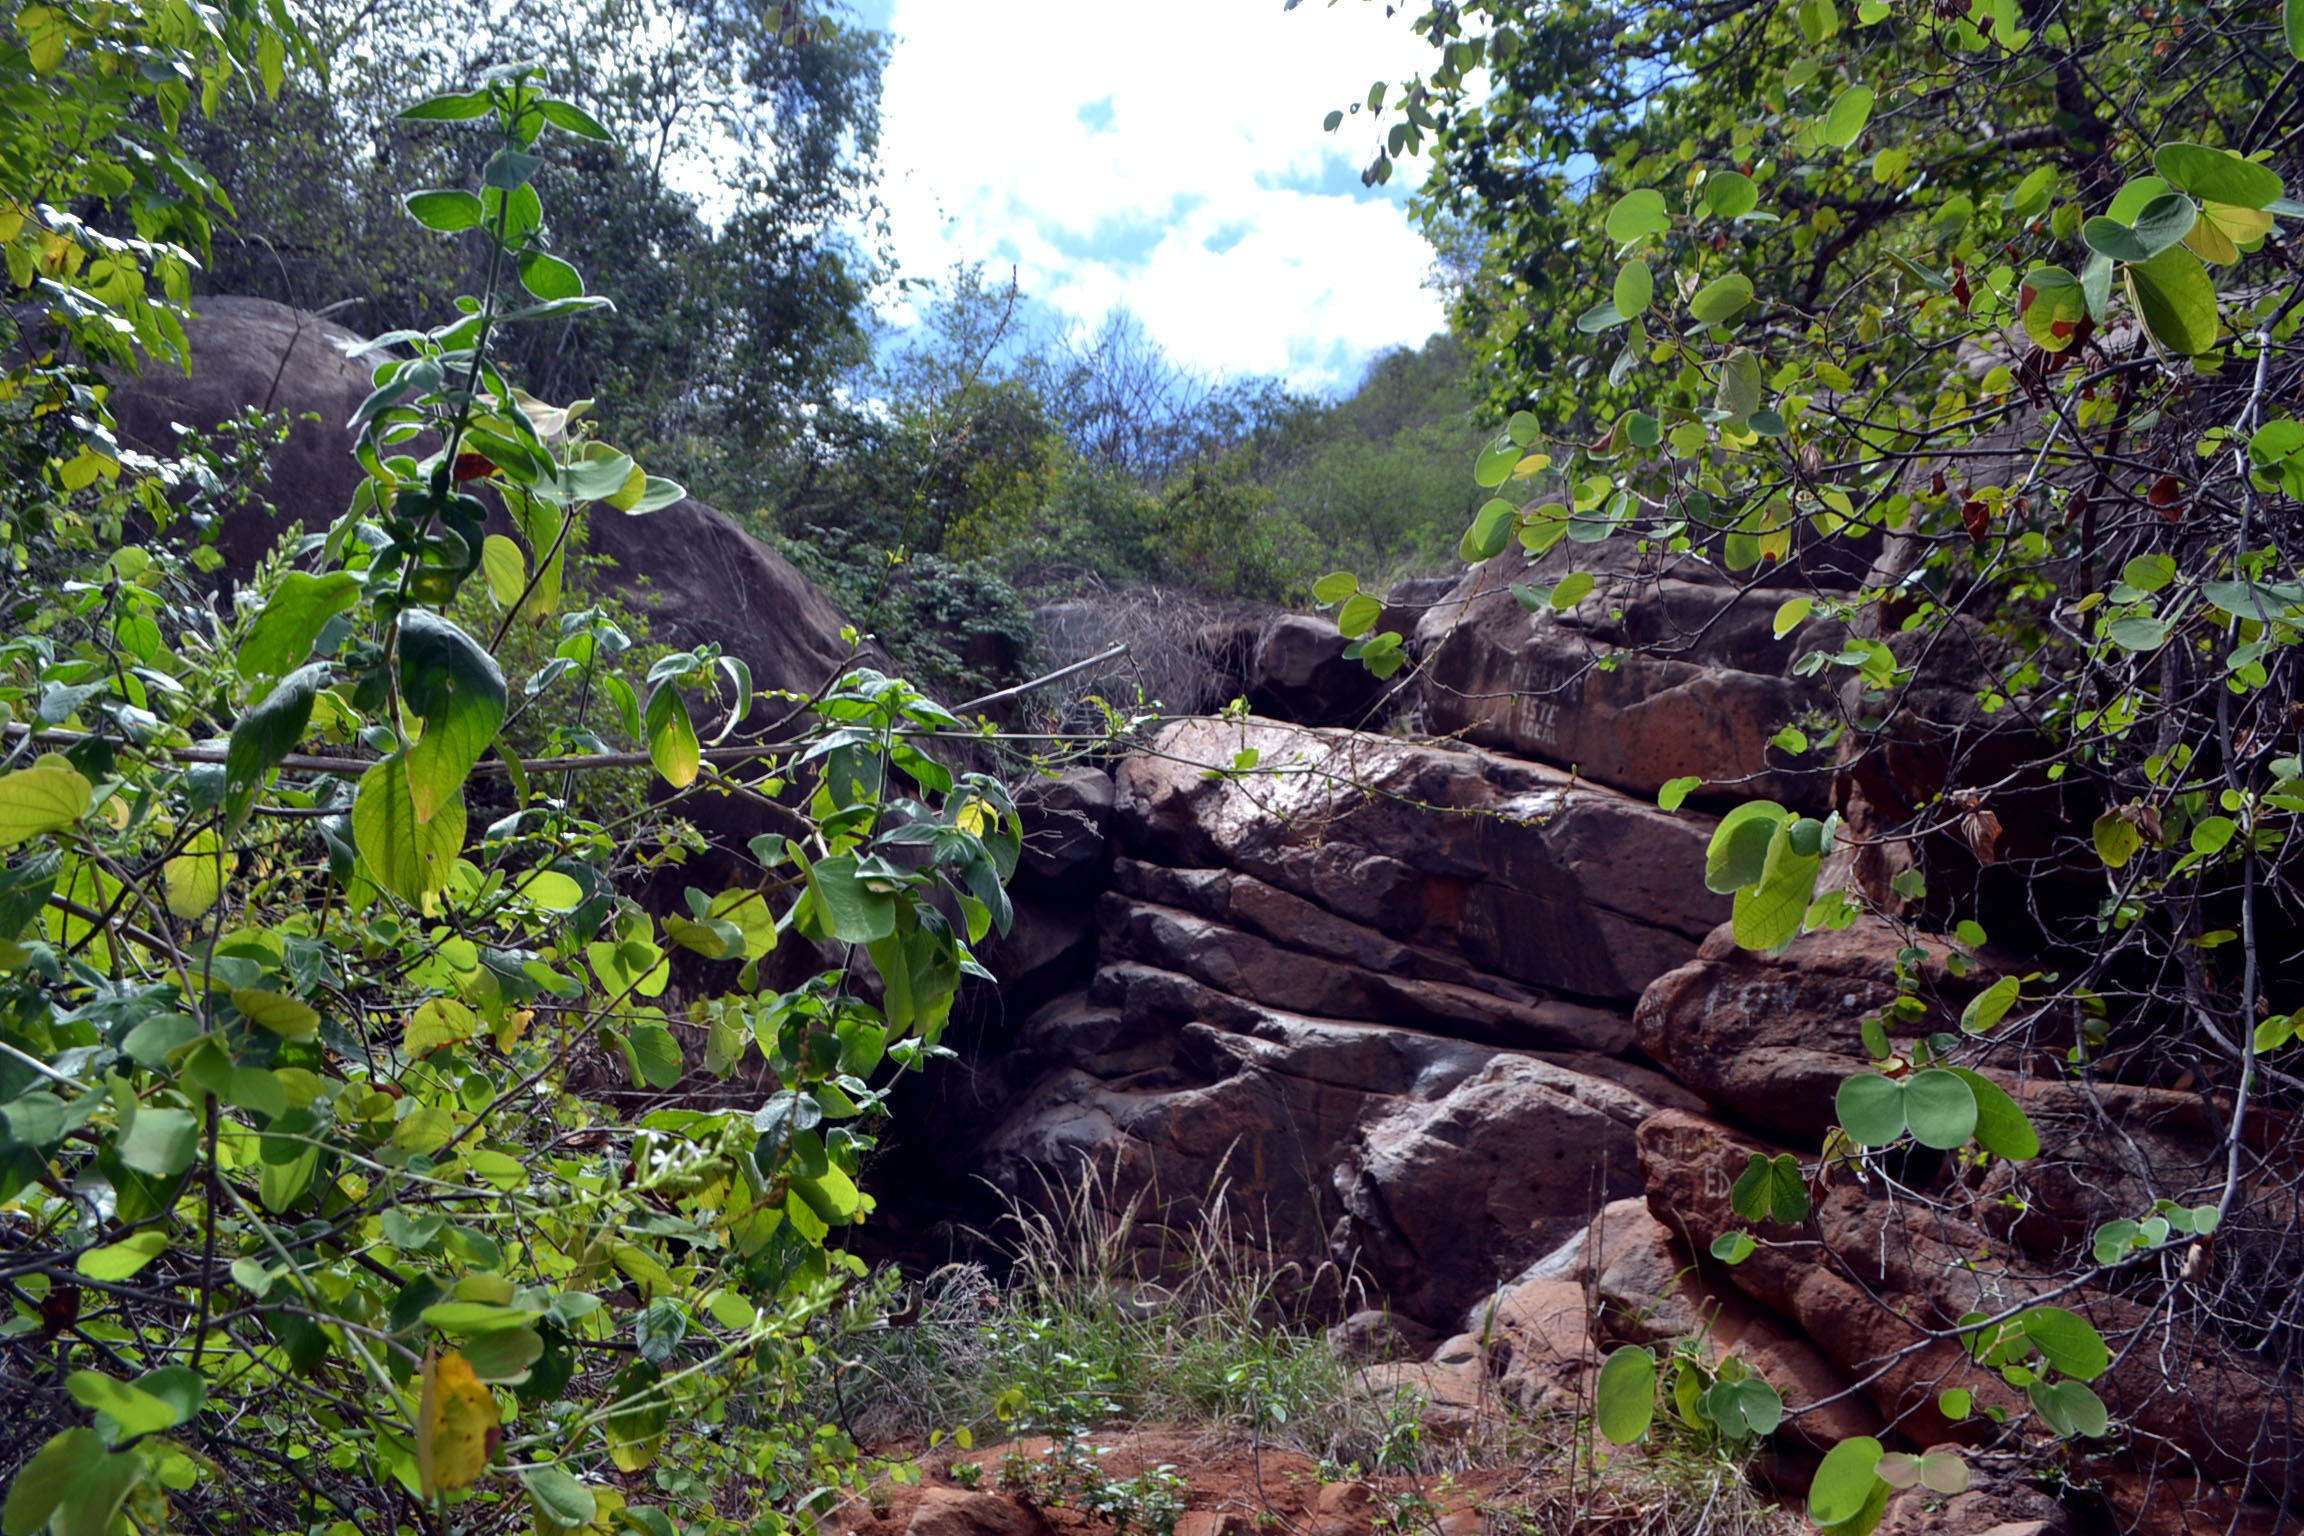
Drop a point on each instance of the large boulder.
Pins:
(1654, 675)
(689, 568)
(1515, 870)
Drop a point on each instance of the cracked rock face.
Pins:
(1380, 998)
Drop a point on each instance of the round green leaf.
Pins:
(1846, 1480)
(446, 212)
(2070, 1408)
(559, 1497)
(2051, 303)
(2177, 300)
(41, 1483)
(1636, 214)
(1721, 299)
(1738, 853)
(1940, 1109)
(1626, 1395)
(2002, 1128)
(2069, 1341)
(1730, 194)
(1492, 529)
(1335, 587)
(2218, 175)
(548, 277)
(1871, 1109)
(1848, 116)
(1635, 286)
(410, 858)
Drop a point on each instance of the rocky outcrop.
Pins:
(1377, 992)
(1648, 678)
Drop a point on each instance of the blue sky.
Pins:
(1166, 157)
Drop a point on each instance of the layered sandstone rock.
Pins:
(1649, 678)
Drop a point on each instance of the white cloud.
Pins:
(1168, 157)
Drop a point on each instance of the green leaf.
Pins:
(657, 1054)
(412, 859)
(448, 109)
(1730, 194)
(1850, 112)
(2218, 175)
(447, 212)
(548, 277)
(289, 1018)
(1636, 214)
(477, 1317)
(456, 686)
(505, 1355)
(1635, 287)
(1335, 587)
(1791, 615)
(2149, 573)
(2069, 1408)
(1491, 531)
(2211, 835)
(40, 1484)
(853, 911)
(1625, 1398)
(1846, 1481)
(2002, 1128)
(1722, 299)
(2177, 300)
(2068, 1340)
(1572, 589)
(1600, 317)
(120, 1260)
(1738, 852)
(506, 569)
(2052, 304)
(672, 744)
(1676, 791)
(559, 1497)
(1769, 914)
(2134, 632)
(2117, 839)
(1991, 1005)
(265, 735)
(161, 1142)
(2292, 26)
(91, 1506)
(2263, 601)
(508, 169)
(133, 1411)
(40, 799)
(1739, 393)
(1734, 1247)
(1495, 465)
(1939, 1109)
(1358, 615)
(570, 119)
(1870, 1109)
(298, 609)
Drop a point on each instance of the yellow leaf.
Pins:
(748, 910)
(288, 1017)
(975, 818)
(441, 1021)
(457, 1425)
(195, 877)
(40, 799)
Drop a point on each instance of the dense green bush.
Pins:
(355, 1174)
